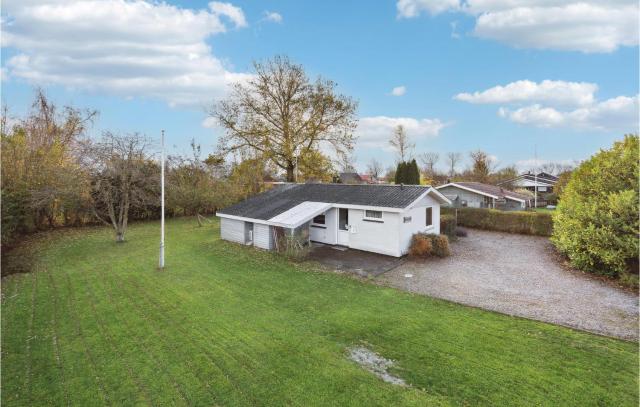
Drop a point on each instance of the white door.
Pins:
(343, 227)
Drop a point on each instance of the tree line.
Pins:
(482, 168)
(54, 174)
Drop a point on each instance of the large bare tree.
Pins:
(283, 116)
(374, 168)
(429, 161)
(401, 143)
(123, 177)
(453, 159)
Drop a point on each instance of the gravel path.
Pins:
(520, 275)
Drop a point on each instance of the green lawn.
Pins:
(544, 210)
(228, 325)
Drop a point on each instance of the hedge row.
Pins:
(528, 223)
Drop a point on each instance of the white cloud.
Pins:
(398, 91)
(413, 8)
(210, 123)
(273, 17)
(375, 132)
(552, 92)
(570, 25)
(234, 13)
(127, 48)
(620, 113)
(559, 104)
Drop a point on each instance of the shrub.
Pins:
(440, 245)
(423, 245)
(461, 232)
(420, 245)
(448, 225)
(596, 222)
(529, 222)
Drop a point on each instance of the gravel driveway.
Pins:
(520, 275)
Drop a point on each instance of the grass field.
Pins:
(97, 324)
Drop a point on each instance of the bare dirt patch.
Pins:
(375, 364)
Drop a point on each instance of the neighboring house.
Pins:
(528, 181)
(478, 195)
(375, 218)
(350, 178)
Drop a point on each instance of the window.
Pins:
(319, 220)
(429, 221)
(406, 219)
(343, 219)
(373, 215)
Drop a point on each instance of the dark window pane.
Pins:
(343, 218)
(319, 220)
(429, 216)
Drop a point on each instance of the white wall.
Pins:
(262, 236)
(328, 234)
(380, 237)
(232, 230)
(418, 214)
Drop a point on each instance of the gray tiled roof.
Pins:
(281, 198)
(493, 190)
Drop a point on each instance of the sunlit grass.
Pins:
(97, 323)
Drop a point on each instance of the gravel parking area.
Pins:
(521, 275)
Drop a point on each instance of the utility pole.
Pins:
(535, 177)
(161, 263)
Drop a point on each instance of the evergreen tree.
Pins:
(412, 176)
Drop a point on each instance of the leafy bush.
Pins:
(448, 225)
(420, 245)
(461, 232)
(596, 222)
(529, 223)
(440, 245)
(424, 245)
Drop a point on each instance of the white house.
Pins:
(375, 218)
(479, 195)
(543, 181)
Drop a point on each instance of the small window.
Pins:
(429, 221)
(373, 215)
(319, 220)
(406, 219)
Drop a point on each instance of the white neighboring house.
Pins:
(479, 195)
(375, 218)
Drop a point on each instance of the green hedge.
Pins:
(448, 225)
(528, 223)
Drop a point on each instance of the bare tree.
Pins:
(453, 159)
(123, 177)
(429, 161)
(374, 168)
(283, 116)
(481, 165)
(401, 142)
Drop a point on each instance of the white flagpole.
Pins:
(161, 264)
(535, 178)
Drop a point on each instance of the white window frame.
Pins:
(425, 217)
(380, 219)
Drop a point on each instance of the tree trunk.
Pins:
(120, 235)
(291, 173)
(198, 218)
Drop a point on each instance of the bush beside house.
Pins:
(596, 222)
(529, 223)
(425, 245)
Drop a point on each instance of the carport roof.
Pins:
(282, 198)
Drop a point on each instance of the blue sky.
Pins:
(556, 75)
